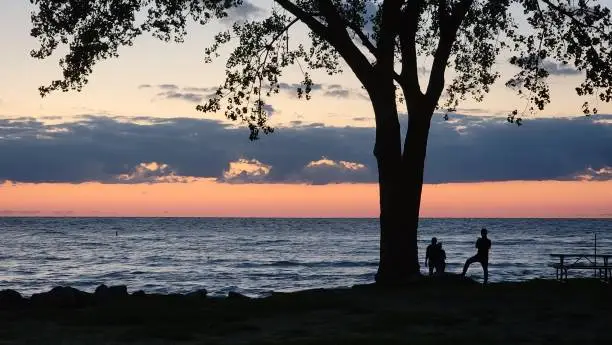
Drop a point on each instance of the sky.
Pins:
(132, 144)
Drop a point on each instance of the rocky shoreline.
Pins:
(69, 297)
(428, 311)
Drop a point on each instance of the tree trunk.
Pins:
(401, 183)
(413, 168)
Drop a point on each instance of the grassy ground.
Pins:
(428, 312)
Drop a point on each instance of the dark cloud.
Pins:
(185, 96)
(188, 94)
(559, 69)
(269, 109)
(338, 93)
(199, 94)
(246, 11)
(201, 89)
(294, 86)
(329, 90)
(469, 148)
(314, 125)
(168, 86)
(473, 111)
(51, 118)
(146, 149)
(194, 94)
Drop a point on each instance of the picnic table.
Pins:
(598, 263)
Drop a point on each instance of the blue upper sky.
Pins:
(155, 80)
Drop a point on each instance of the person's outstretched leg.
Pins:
(468, 262)
(485, 268)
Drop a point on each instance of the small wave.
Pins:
(37, 259)
(509, 264)
(53, 258)
(278, 241)
(49, 232)
(109, 275)
(226, 289)
(291, 263)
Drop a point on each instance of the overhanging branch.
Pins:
(305, 17)
(335, 33)
(571, 16)
(409, 77)
(448, 34)
(365, 40)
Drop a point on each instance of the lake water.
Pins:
(256, 256)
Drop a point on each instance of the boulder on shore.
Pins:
(139, 293)
(11, 299)
(62, 296)
(113, 292)
(201, 293)
(236, 295)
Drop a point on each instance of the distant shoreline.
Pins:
(603, 217)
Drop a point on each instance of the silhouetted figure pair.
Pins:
(435, 257)
(483, 244)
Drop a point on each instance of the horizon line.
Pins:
(602, 217)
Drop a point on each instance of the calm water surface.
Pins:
(256, 256)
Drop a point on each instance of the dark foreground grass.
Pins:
(427, 312)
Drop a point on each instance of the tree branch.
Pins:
(442, 15)
(365, 40)
(341, 40)
(388, 32)
(409, 75)
(287, 27)
(571, 16)
(448, 35)
(307, 18)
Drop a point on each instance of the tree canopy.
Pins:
(376, 39)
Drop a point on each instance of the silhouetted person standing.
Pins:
(441, 262)
(431, 255)
(483, 244)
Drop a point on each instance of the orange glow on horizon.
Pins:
(208, 198)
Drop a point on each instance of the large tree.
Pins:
(384, 44)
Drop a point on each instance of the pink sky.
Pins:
(208, 198)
